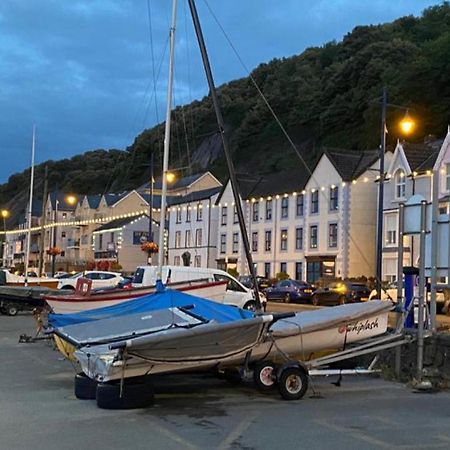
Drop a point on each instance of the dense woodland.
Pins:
(326, 96)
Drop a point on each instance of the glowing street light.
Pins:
(170, 177)
(71, 200)
(5, 213)
(407, 124)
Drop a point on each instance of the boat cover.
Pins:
(160, 300)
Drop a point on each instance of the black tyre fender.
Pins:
(292, 381)
(265, 375)
(134, 395)
(85, 388)
(68, 288)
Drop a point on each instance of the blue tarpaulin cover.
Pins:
(207, 309)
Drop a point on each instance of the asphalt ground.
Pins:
(39, 411)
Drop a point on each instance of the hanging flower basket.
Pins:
(54, 251)
(150, 247)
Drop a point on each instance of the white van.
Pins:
(236, 294)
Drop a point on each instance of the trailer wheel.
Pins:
(85, 388)
(134, 395)
(293, 383)
(264, 375)
(11, 310)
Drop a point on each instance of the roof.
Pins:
(178, 184)
(120, 223)
(94, 200)
(156, 199)
(194, 196)
(112, 199)
(60, 197)
(422, 156)
(350, 164)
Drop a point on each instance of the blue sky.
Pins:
(82, 69)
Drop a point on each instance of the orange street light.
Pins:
(71, 200)
(407, 124)
(5, 213)
(170, 177)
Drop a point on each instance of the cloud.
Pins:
(82, 70)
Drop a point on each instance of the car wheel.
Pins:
(264, 375)
(287, 298)
(85, 388)
(250, 306)
(315, 300)
(293, 383)
(341, 300)
(131, 395)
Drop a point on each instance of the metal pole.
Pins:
(381, 194)
(434, 246)
(220, 122)
(400, 297)
(55, 217)
(150, 225)
(30, 206)
(162, 221)
(4, 242)
(420, 326)
(43, 220)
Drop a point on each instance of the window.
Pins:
(334, 198)
(267, 270)
(313, 236)
(314, 201)
(176, 261)
(298, 271)
(283, 267)
(111, 237)
(188, 214)
(223, 243)
(268, 241)
(313, 271)
(197, 261)
(100, 241)
(299, 239)
(177, 239)
(300, 205)
(284, 207)
(64, 215)
(255, 210)
(178, 219)
(232, 284)
(332, 235)
(269, 210)
(400, 184)
(63, 234)
(198, 237)
(199, 212)
(283, 239)
(188, 238)
(235, 215)
(447, 177)
(223, 217)
(391, 237)
(255, 241)
(235, 242)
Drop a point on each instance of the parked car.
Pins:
(126, 283)
(341, 292)
(290, 291)
(100, 279)
(263, 282)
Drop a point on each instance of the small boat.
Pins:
(9, 279)
(84, 299)
(177, 332)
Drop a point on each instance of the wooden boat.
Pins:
(9, 279)
(86, 299)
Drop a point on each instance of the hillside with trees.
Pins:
(326, 96)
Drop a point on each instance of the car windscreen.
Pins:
(138, 276)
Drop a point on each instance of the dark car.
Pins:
(263, 282)
(341, 292)
(126, 283)
(290, 291)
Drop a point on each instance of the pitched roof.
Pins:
(93, 200)
(120, 223)
(178, 184)
(60, 197)
(194, 196)
(350, 164)
(112, 199)
(422, 156)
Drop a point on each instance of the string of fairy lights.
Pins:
(134, 214)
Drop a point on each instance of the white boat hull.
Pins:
(300, 345)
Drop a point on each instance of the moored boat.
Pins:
(9, 279)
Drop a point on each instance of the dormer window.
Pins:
(400, 184)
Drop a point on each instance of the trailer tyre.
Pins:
(134, 395)
(11, 310)
(264, 375)
(85, 388)
(293, 383)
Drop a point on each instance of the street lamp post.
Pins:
(5, 215)
(55, 216)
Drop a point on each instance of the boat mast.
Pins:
(162, 220)
(232, 173)
(30, 206)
